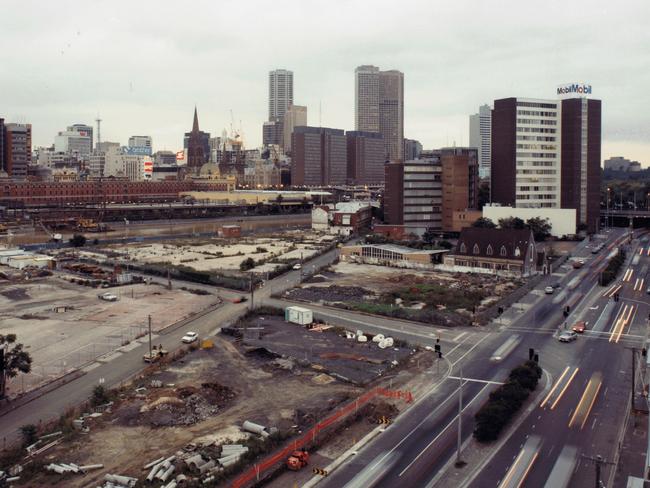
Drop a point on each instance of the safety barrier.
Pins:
(258, 469)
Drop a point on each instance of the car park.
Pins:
(568, 336)
(190, 337)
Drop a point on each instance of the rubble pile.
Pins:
(332, 293)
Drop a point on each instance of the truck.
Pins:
(156, 354)
(298, 315)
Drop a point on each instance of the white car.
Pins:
(568, 336)
(297, 266)
(190, 337)
(549, 290)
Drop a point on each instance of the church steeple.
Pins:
(195, 124)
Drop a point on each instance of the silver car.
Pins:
(568, 336)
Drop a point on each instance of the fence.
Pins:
(258, 469)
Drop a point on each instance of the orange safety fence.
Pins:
(257, 469)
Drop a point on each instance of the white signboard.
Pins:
(574, 90)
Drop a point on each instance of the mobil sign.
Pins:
(147, 167)
(574, 90)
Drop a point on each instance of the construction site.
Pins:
(232, 406)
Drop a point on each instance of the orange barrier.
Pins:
(310, 436)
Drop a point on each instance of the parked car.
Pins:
(297, 266)
(549, 290)
(190, 337)
(578, 264)
(568, 336)
(579, 327)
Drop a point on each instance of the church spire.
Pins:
(195, 125)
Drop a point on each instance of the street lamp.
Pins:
(607, 213)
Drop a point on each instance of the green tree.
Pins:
(483, 194)
(28, 432)
(78, 240)
(429, 235)
(247, 264)
(99, 396)
(484, 223)
(512, 223)
(541, 227)
(13, 360)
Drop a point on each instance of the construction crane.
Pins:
(53, 237)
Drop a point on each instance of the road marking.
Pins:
(587, 400)
(452, 421)
(565, 388)
(557, 383)
(462, 334)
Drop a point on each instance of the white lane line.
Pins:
(451, 422)
(462, 334)
(474, 380)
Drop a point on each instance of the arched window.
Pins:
(476, 250)
(488, 251)
(517, 252)
(463, 249)
(503, 251)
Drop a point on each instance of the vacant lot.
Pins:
(64, 325)
(429, 296)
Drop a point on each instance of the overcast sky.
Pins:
(142, 65)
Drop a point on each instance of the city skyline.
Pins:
(152, 93)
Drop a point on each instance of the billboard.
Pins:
(574, 90)
(137, 150)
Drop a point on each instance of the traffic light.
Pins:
(531, 354)
(436, 348)
(644, 352)
(536, 358)
(568, 309)
(565, 313)
(500, 310)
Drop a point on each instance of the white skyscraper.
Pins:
(480, 137)
(280, 93)
(379, 106)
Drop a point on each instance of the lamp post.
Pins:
(607, 213)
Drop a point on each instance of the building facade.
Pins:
(17, 150)
(76, 139)
(546, 154)
(3, 169)
(459, 183)
(507, 252)
(319, 156)
(140, 145)
(365, 158)
(295, 116)
(412, 149)
(379, 107)
(615, 163)
(280, 92)
(394, 193)
(197, 145)
(480, 137)
(273, 132)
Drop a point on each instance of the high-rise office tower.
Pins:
(546, 154)
(319, 156)
(280, 92)
(459, 182)
(412, 149)
(17, 149)
(480, 137)
(413, 195)
(76, 139)
(295, 116)
(197, 145)
(379, 106)
(365, 158)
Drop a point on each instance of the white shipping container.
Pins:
(298, 315)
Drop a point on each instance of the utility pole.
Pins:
(252, 290)
(149, 337)
(598, 461)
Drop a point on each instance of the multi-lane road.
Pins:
(588, 383)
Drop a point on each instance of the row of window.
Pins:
(488, 251)
(536, 138)
(542, 147)
(536, 188)
(536, 171)
(536, 163)
(539, 130)
(536, 113)
(537, 197)
(536, 105)
(537, 121)
(552, 155)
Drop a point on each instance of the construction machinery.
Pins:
(298, 460)
(156, 354)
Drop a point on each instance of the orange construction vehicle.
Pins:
(298, 460)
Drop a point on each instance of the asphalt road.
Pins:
(413, 450)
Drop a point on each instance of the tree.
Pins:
(13, 360)
(246, 264)
(445, 244)
(541, 227)
(429, 235)
(512, 223)
(484, 223)
(78, 240)
(28, 432)
(483, 194)
(99, 396)
(526, 375)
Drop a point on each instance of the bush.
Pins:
(505, 401)
(99, 396)
(247, 264)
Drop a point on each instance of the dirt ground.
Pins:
(65, 325)
(249, 388)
